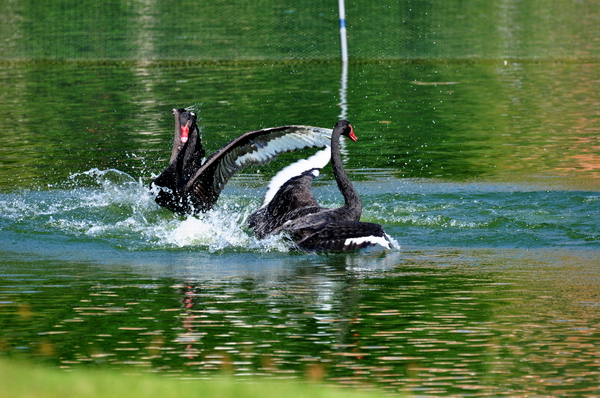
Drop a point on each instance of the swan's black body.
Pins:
(191, 186)
(294, 209)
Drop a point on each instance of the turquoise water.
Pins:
(485, 174)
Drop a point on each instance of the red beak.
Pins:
(185, 131)
(352, 136)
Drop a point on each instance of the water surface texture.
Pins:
(484, 169)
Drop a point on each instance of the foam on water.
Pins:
(215, 230)
(113, 206)
(110, 206)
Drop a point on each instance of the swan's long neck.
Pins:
(177, 144)
(352, 201)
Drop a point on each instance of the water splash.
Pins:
(113, 206)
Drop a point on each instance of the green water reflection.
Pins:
(478, 151)
(284, 30)
(436, 323)
(449, 120)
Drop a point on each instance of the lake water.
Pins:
(487, 174)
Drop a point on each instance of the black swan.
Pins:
(290, 206)
(191, 186)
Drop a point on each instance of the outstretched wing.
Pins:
(253, 147)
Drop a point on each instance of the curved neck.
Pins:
(351, 199)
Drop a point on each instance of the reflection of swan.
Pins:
(191, 186)
(294, 209)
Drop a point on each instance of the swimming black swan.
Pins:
(290, 206)
(191, 186)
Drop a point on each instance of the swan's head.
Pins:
(347, 129)
(187, 123)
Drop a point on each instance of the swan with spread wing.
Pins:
(191, 185)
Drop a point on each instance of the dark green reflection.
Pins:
(452, 121)
(286, 30)
(468, 318)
